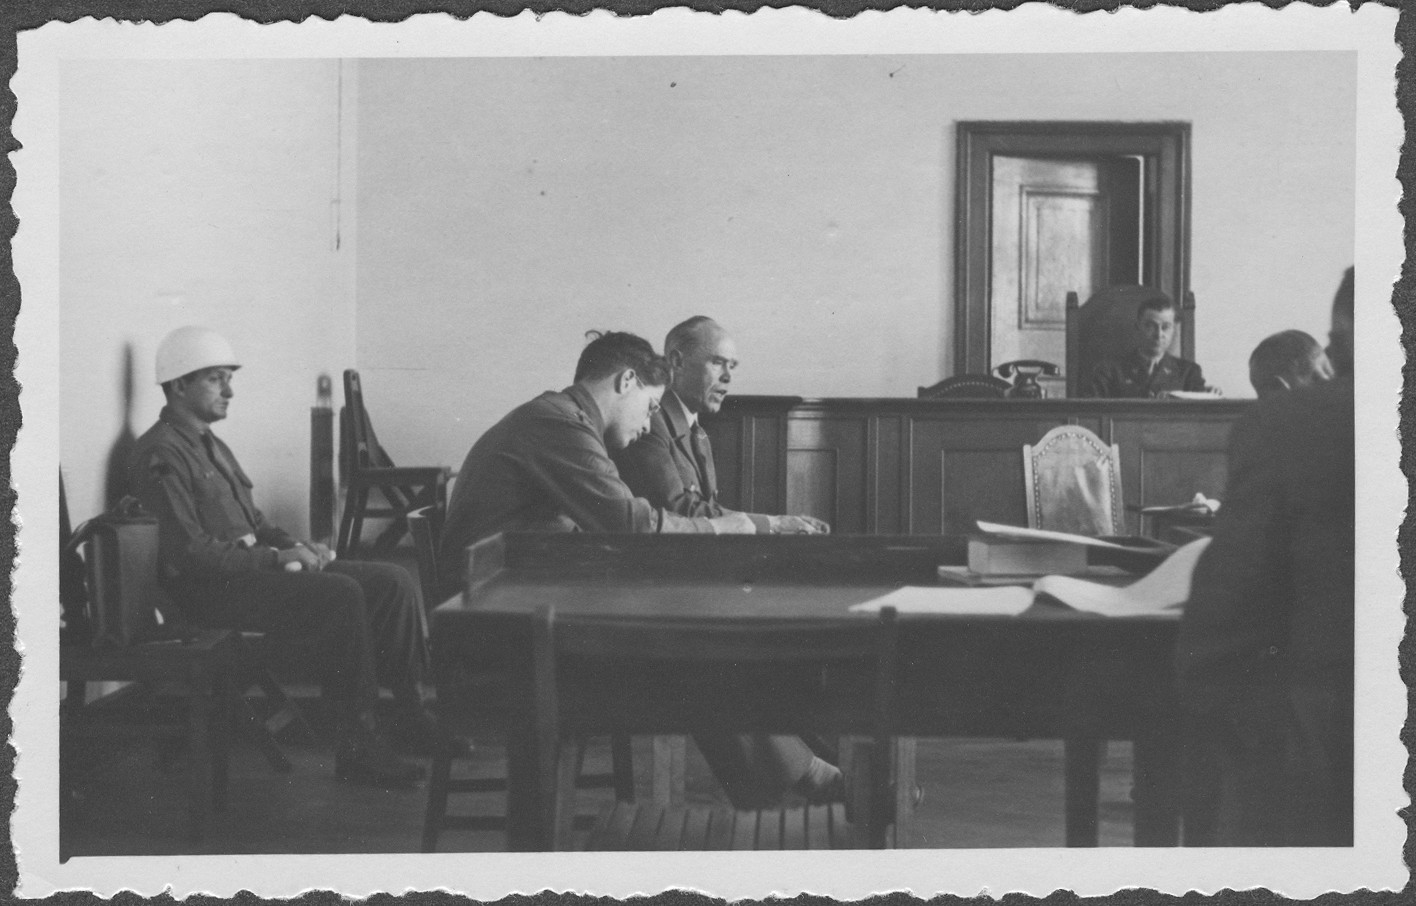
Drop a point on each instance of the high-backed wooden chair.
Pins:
(652, 675)
(367, 469)
(1073, 483)
(1105, 328)
(425, 525)
(967, 386)
(133, 645)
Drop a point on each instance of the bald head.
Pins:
(702, 357)
(1287, 361)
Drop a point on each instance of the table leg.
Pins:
(1082, 784)
(1156, 789)
(906, 793)
(659, 764)
(523, 801)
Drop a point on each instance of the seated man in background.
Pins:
(227, 567)
(672, 467)
(1151, 372)
(546, 467)
(1265, 655)
(1287, 361)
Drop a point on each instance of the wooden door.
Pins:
(1059, 226)
(1049, 237)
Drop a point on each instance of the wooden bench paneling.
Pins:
(910, 466)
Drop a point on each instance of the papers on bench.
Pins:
(1029, 534)
(1164, 589)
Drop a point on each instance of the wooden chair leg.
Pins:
(1082, 783)
(351, 525)
(622, 766)
(437, 801)
(220, 739)
(346, 521)
(199, 750)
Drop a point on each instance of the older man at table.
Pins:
(672, 467)
(546, 467)
(1265, 655)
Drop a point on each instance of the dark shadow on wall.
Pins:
(115, 482)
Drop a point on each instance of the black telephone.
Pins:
(1026, 372)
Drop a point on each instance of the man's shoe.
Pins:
(419, 733)
(368, 760)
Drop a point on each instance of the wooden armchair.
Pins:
(426, 527)
(132, 645)
(1073, 483)
(651, 675)
(1105, 328)
(366, 468)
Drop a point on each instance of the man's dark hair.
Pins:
(1155, 303)
(609, 352)
(685, 336)
(1283, 354)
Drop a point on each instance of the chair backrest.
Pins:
(1073, 483)
(653, 675)
(73, 597)
(425, 525)
(1105, 328)
(967, 386)
(121, 573)
(359, 446)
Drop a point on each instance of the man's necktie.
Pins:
(703, 452)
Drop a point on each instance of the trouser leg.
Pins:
(1286, 771)
(396, 623)
(755, 770)
(322, 613)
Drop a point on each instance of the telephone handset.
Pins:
(1026, 372)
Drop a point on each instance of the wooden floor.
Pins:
(978, 793)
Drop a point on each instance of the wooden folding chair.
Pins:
(367, 469)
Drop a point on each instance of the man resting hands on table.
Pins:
(672, 467)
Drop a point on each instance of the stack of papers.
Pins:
(1163, 590)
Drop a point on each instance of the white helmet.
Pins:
(189, 349)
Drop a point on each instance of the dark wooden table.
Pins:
(1048, 673)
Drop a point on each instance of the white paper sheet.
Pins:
(1007, 601)
(1164, 588)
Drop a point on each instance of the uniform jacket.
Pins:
(544, 467)
(1132, 378)
(203, 510)
(662, 468)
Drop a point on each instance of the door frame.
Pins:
(1167, 143)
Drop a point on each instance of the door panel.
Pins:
(1049, 237)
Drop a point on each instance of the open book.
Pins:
(1162, 590)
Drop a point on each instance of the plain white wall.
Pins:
(202, 193)
(508, 205)
(505, 206)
